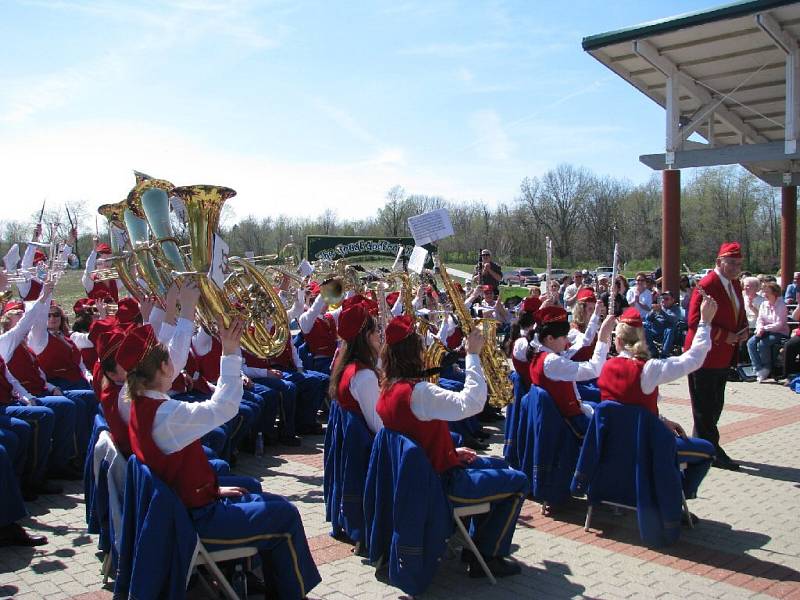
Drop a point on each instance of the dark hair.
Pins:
(109, 364)
(557, 329)
(141, 376)
(357, 349)
(82, 321)
(402, 360)
(524, 321)
(64, 321)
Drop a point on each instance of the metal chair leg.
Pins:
(471, 545)
(589, 510)
(220, 577)
(686, 511)
(106, 567)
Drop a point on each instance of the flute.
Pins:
(612, 296)
(548, 272)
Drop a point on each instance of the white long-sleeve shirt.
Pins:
(364, 388)
(35, 314)
(578, 340)
(307, 319)
(559, 367)
(27, 262)
(86, 278)
(429, 401)
(296, 309)
(177, 424)
(11, 259)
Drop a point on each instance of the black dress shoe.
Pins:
(471, 442)
(499, 566)
(15, 535)
(314, 429)
(290, 440)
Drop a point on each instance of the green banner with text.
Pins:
(334, 247)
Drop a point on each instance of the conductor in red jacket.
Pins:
(728, 330)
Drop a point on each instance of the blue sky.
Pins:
(306, 105)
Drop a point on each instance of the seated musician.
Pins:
(165, 435)
(96, 287)
(421, 410)
(522, 334)
(354, 378)
(553, 369)
(633, 377)
(582, 333)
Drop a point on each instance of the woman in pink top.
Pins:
(771, 329)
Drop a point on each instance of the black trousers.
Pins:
(707, 390)
(791, 356)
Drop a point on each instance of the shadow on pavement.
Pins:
(770, 471)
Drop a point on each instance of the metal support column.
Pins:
(788, 232)
(671, 230)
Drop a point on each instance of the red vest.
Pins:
(523, 369)
(208, 364)
(89, 356)
(109, 286)
(199, 383)
(61, 359)
(33, 291)
(321, 339)
(343, 395)
(621, 380)
(108, 393)
(24, 366)
(586, 352)
(394, 408)
(256, 362)
(454, 339)
(5, 387)
(563, 392)
(186, 471)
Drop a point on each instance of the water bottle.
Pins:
(239, 582)
(260, 444)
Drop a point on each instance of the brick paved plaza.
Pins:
(747, 544)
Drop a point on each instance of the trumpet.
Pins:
(104, 274)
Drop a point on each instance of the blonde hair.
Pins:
(633, 340)
(581, 316)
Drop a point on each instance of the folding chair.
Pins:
(461, 512)
(211, 560)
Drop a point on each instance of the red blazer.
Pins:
(722, 354)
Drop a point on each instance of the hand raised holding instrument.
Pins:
(231, 336)
(188, 296)
(475, 341)
(604, 336)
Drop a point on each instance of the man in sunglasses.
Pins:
(639, 296)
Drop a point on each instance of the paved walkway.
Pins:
(747, 544)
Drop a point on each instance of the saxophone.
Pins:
(494, 364)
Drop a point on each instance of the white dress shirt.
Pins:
(728, 286)
(364, 388)
(429, 401)
(177, 424)
(578, 340)
(35, 314)
(317, 308)
(559, 367)
(645, 300)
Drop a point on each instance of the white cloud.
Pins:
(492, 140)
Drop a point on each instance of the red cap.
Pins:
(459, 287)
(398, 329)
(127, 311)
(39, 256)
(108, 343)
(353, 300)
(103, 248)
(102, 294)
(630, 316)
(586, 295)
(135, 346)
(101, 326)
(81, 304)
(531, 304)
(730, 250)
(392, 298)
(550, 314)
(13, 305)
(352, 320)
(313, 288)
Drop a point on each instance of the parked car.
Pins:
(554, 273)
(607, 271)
(523, 276)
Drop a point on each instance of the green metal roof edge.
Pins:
(666, 25)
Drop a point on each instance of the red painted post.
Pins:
(671, 230)
(788, 233)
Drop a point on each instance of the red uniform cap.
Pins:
(392, 298)
(730, 250)
(101, 326)
(352, 320)
(313, 288)
(39, 256)
(13, 305)
(82, 304)
(127, 311)
(103, 248)
(102, 294)
(137, 344)
(531, 304)
(586, 295)
(550, 314)
(398, 329)
(108, 343)
(631, 316)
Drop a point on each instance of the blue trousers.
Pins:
(12, 506)
(489, 479)
(321, 364)
(450, 373)
(42, 421)
(64, 438)
(273, 525)
(312, 386)
(698, 454)
(86, 407)
(760, 349)
(283, 396)
(15, 435)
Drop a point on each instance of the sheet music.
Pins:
(417, 261)
(430, 227)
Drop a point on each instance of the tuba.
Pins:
(122, 258)
(494, 364)
(247, 292)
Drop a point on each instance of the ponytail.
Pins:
(633, 341)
